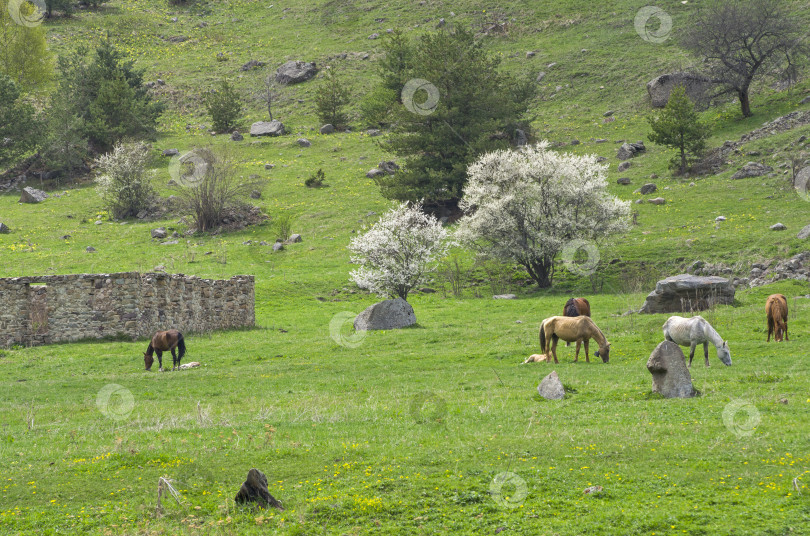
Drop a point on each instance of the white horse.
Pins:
(693, 331)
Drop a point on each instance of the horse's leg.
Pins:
(174, 359)
(554, 349)
(706, 352)
(587, 359)
(160, 359)
(770, 328)
(692, 353)
(576, 356)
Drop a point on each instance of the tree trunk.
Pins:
(745, 104)
(540, 271)
(683, 161)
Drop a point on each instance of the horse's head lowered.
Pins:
(603, 352)
(148, 360)
(724, 354)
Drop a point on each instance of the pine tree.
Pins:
(331, 100)
(678, 126)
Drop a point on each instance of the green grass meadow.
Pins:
(438, 428)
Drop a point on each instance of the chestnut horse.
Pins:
(580, 329)
(165, 341)
(777, 310)
(576, 307)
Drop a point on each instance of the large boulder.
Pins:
(32, 195)
(267, 128)
(671, 377)
(295, 72)
(687, 293)
(697, 88)
(804, 233)
(752, 169)
(551, 387)
(388, 314)
(629, 150)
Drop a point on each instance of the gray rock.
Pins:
(388, 166)
(623, 180)
(720, 218)
(804, 233)
(608, 113)
(686, 293)
(629, 150)
(778, 227)
(551, 388)
(328, 128)
(697, 87)
(236, 136)
(373, 132)
(32, 195)
(670, 376)
(520, 138)
(269, 166)
(388, 314)
(294, 238)
(255, 194)
(160, 233)
(171, 152)
(90, 249)
(254, 490)
(374, 173)
(169, 243)
(657, 201)
(531, 54)
(374, 36)
(303, 142)
(267, 128)
(624, 166)
(504, 297)
(752, 169)
(648, 188)
(4, 228)
(278, 246)
(540, 76)
(805, 100)
(295, 72)
(252, 64)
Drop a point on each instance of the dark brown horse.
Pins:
(777, 310)
(576, 307)
(165, 341)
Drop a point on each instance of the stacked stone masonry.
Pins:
(62, 308)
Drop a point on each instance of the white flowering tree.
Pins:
(124, 184)
(397, 251)
(526, 205)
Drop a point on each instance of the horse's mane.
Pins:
(570, 308)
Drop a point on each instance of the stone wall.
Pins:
(59, 308)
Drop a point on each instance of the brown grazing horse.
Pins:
(580, 329)
(576, 307)
(777, 310)
(165, 341)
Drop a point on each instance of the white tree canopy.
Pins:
(398, 250)
(526, 205)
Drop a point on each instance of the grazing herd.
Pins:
(576, 326)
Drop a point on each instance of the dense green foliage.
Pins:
(456, 104)
(331, 99)
(224, 105)
(23, 50)
(678, 126)
(18, 125)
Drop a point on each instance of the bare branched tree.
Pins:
(269, 95)
(740, 40)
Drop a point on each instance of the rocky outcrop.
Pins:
(267, 128)
(32, 195)
(629, 150)
(697, 88)
(388, 314)
(752, 169)
(295, 72)
(687, 293)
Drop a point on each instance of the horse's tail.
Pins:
(543, 336)
(570, 308)
(181, 345)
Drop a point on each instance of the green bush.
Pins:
(331, 99)
(316, 180)
(18, 125)
(224, 106)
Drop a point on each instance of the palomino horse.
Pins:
(165, 341)
(777, 310)
(576, 307)
(693, 331)
(580, 329)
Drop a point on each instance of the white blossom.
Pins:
(524, 206)
(397, 251)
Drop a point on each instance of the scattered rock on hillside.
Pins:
(551, 388)
(670, 376)
(624, 166)
(255, 194)
(373, 132)
(623, 181)
(752, 169)
(90, 249)
(504, 297)
(267, 128)
(32, 195)
(171, 152)
(389, 166)
(685, 293)
(805, 100)
(720, 218)
(804, 233)
(657, 201)
(388, 314)
(629, 150)
(659, 88)
(540, 76)
(160, 233)
(278, 246)
(648, 188)
(254, 490)
(303, 142)
(295, 72)
(328, 128)
(778, 227)
(4, 228)
(374, 36)
(236, 136)
(374, 173)
(294, 238)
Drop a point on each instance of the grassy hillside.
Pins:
(406, 433)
